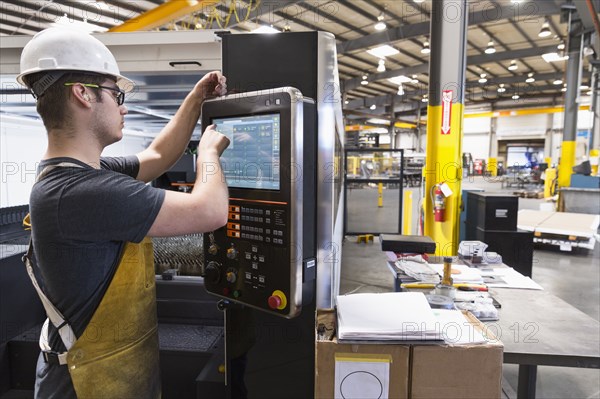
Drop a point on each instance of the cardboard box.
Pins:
(327, 347)
(462, 371)
(416, 371)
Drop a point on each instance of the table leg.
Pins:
(527, 379)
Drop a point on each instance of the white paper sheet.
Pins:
(362, 376)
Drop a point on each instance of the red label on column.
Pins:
(446, 111)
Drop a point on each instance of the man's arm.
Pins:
(172, 141)
(205, 208)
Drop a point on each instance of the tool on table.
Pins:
(445, 288)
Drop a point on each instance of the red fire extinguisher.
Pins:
(439, 203)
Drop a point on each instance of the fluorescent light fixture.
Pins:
(513, 66)
(589, 93)
(414, 80)
(400, 90)
(557, 82)
(425, 98)
(530, 78)
(482, 78)
(564, 88)
(397, 80)
(364, 80)
(380, 24)
(372, 107)
(515, 97)
(501, 88)
(490, 49)
(418, 1)
(381, 66)
(584, 87)
(383, 51)
(425, 49)
(346, 102)
(561, 45)
(265, 29)
(545, 31)
(554, 57)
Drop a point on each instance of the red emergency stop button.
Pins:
(277, 300)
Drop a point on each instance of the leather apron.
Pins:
(117, 354)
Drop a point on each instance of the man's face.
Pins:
(109, 118)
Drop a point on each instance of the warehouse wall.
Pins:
(22, 145)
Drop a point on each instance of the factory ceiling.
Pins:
(507, 43)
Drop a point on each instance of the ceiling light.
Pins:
(287, 28)
(501, 88)
(561, 45)
(372, 107)
(425, 99)
(265, 29)
(584, 87)
(530, 78)
(589, 93)
(346, 102)
(545, 31)
(515, 97)
(554, 57)
(381, 66)
(400, 90)
(513, 66)
(418, 1)
(414, 80)
(383, 51)
(516, 1)
(482, 78)
(425, 49)
(564, 88)
(380, 25)
(364, 80)
(558, 82)
(490, 49)
(400, 79)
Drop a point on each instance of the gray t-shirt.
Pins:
(81, 218)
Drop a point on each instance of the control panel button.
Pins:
(213, 249)
(277, 300)
(212, 273)
(231, 276)
(232, 252)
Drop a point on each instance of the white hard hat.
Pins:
(57, 50)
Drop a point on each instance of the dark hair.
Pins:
(52, 104)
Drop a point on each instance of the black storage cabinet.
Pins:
(492, 211)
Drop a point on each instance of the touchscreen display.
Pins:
(253, 157)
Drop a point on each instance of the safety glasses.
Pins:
(120, 96)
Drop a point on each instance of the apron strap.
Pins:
(54, 315)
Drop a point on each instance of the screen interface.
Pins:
(252, 159)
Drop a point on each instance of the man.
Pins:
(89, 217)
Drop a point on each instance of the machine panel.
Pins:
(260, 257)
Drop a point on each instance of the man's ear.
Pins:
(81, 96)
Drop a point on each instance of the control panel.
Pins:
(264, 257)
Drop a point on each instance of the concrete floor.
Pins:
(574, 277)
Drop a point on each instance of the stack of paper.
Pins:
(386, 316)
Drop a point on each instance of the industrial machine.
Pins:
(266, 251)
(278, 257)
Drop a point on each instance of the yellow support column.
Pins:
(380, 195)
(594, 161)
(550, 176)
(492, 167)
(567, 161)
(407, 213)
(445, 121)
